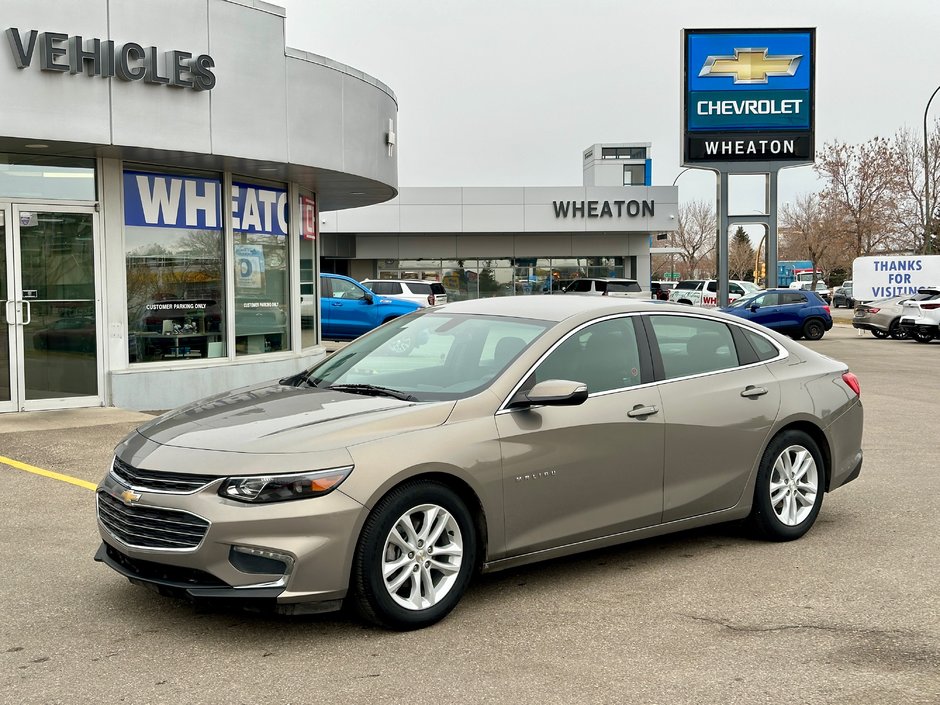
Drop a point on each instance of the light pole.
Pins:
(927, 208)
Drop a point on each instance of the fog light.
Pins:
(258, 560)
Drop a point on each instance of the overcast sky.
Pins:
(509, 92)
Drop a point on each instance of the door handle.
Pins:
(640, 411)
(752, 391)
(336, 303)
(8, 319)
(29, 314)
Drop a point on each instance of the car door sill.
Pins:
(737, 512)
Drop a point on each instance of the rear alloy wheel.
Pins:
(921, 336)
(880, 334)
(813, 329)
(898, 333)
(789, 489)
(415, 557)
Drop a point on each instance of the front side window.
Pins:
(261, 258)
(691, 346)
(173, 235)
(343, 289)
(604, 356)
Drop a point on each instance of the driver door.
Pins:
(573, 473)
(350, 312)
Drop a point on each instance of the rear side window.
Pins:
(692, 346)
(764, 348)
(419, 288)
(438, 289)
(622, 287)
(792, 298)
(385, 288)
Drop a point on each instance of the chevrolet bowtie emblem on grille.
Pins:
(129, 497)
(751, 65)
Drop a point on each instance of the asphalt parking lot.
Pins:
(849, 614)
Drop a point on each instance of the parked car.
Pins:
(348, 309)
(704, 292)
(821, 289)
(921, 315)
(423, 293)
(660, 290)
(882, 318)
(842, 296)
(520, 429)
(607, 286)
(799, 314)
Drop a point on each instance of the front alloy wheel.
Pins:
(415, 556)
(789, 489)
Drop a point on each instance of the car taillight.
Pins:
(827, 310)
(929, 307)
(430, 299)
(873, 310)
(852, 381)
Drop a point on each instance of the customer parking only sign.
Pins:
(748, 95)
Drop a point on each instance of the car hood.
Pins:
(279, 418)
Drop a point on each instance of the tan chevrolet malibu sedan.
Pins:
(477, 436)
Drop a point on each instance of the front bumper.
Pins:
(318, 535)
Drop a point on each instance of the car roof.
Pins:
(403, 281)
(554, 308)
(604, 279)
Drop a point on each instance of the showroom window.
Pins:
(173, 235)
(309, 230)
(261, 260)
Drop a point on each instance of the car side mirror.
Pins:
(552, 392)
(754, 307)
(369, 298)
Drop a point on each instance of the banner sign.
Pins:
(249, 265)
(166, 201)
(257, 209)
(883, 277)
(309, 218)
(748, 95)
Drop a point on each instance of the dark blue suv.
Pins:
(348, 309)
(799, 314)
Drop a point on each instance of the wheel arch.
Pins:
(818, 436)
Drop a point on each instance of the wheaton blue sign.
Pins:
(748, 95)
(165, 201)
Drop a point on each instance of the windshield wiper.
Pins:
(373, 390)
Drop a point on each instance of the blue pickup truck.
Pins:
(348, 309)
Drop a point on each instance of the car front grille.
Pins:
(150, 527)
(154, 481)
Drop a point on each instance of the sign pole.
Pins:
(771, 256)
(722, 243)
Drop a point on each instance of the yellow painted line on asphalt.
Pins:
(47, 473)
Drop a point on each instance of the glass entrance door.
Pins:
(7, 320)
(52, 310)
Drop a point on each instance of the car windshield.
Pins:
(749, 287)
(742, 302)
(430, 356)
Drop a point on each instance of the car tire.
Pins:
(880, 334)
(787, 500)
(921, 336)
(397, 581)
(813, 329)
(898, 333)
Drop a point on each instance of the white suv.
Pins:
(920, 316)
(420, 292)
(704, 292)
(607, 286)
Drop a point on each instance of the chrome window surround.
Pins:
(782, 354)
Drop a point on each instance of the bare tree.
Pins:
(815, 229)
(861, 184)
(910, 206)
(695, 236)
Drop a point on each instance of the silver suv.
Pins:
(422, 293)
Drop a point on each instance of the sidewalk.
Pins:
(68, 418)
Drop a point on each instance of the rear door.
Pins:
(719, 404)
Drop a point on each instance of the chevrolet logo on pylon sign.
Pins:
(751, 65)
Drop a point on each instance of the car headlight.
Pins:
(258, 489)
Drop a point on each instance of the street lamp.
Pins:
(927, 208)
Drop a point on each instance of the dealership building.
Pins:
(482, 242)
(162, 165)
